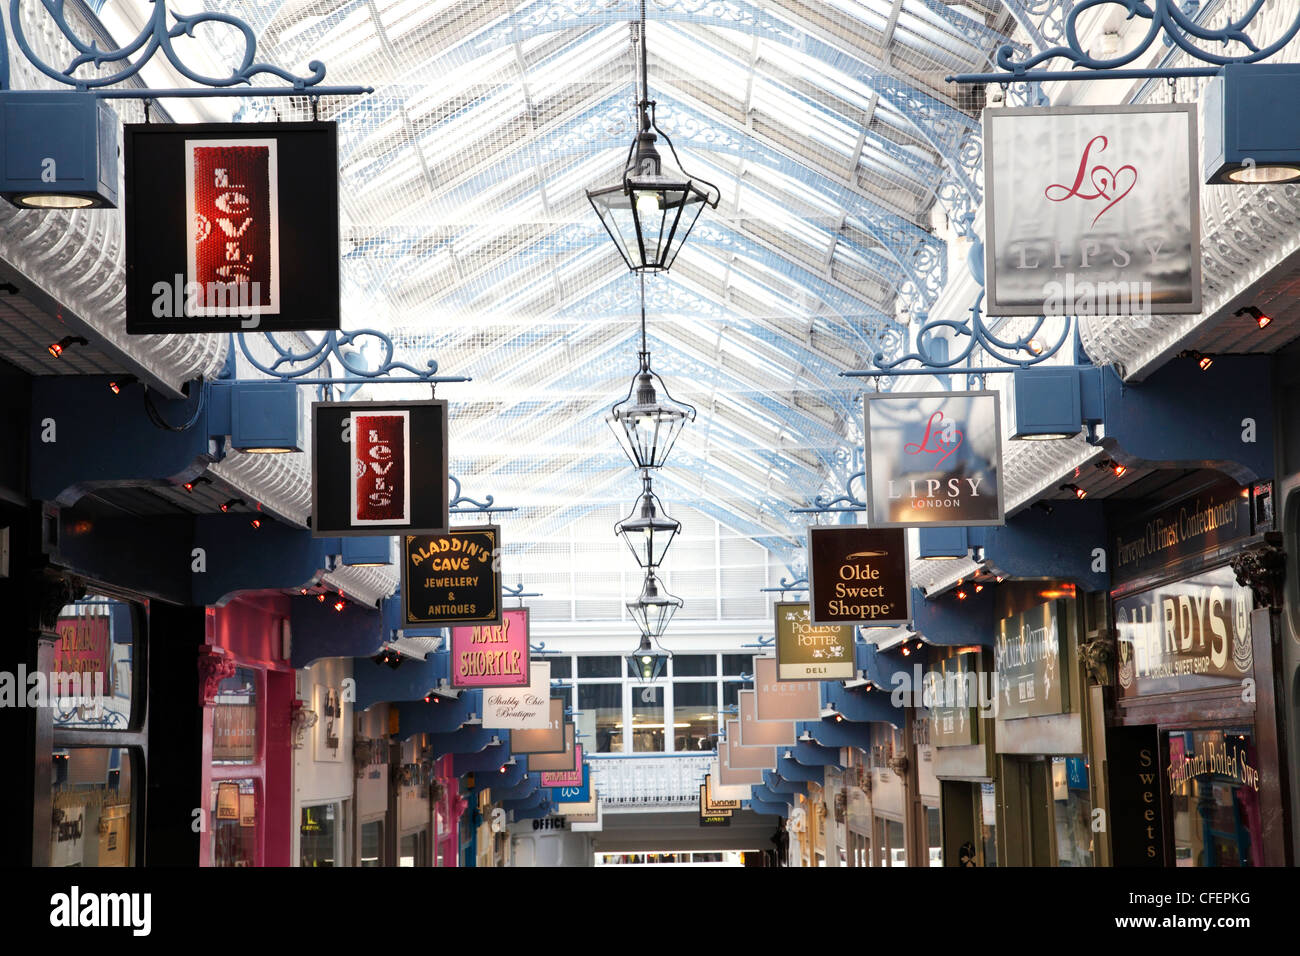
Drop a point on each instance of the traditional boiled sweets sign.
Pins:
(231, 227)
(858, 575)
(806, 651)
(547, 740)
(568, 760)
(453, 578)
(756, 733)
(522, 708)
(1186, 635)
(379, 468)
(783, 700)
(492, 655)
(1092, 211)
(933, 459)
(1030, 668)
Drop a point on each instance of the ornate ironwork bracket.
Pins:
(1179, 29)
(518, 592)
(840, 504)
(1263, 570)
(798, 584)
(460, 505)
(157, 36)
(296, 366)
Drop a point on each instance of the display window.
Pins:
(1213, 782)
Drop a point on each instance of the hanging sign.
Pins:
(492, 655)
(806, 651)
(84, 650)
(783, 700)
(586, 812)
(742, 757)
(248, 809)
(228, 801)
(858, 575)
(737, 776)
(955, 692)
(716, 804)
(1092, 211)
(379, 468)
(525, 708)
(712, 818)
(568, 760)
(1186, 635)
(726, 794)
(934, 459)
(547, 740)
(453, 578)
(1027, 658)
(1136, 817)
(231, 227)
(572, 787)
(756, 733)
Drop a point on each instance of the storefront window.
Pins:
(408, 852)
(598, 667)
(695, 716)
(91, 798)
(89, 684)
(372, 842)
(695, 665)
(648, 719)
(733, 665)
(988, 823)
(234, 816)
(234, 719)
(1213, 776)
(1072, 807)
(561, 667)
(889, 841)
(601, 717)
(935, 834)
(319, 832)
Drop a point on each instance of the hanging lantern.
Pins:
(648, 421)
(654, 608)
(647, 663)
(648, 531)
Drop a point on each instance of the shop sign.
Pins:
(954, 713)
(1136, 808)
(84, 649)
(1222, 758)
(231, 227)
(567, 760)
(1185, 635)
(1092, 211)
(248, 809)
(712, 818)
(748, 758)
(563, 787)
(783, 700)
(234, 732)
(547, 740)
(492, 655)
(227, 801)
(714, 803)
(1189, 527)
(588, 811)
(525, 708)
(806, 651)
(1027, 657)
(453, 578)
(328, 742)
(379, 468)
(933, 459)
(721, 793)
(858, 575)
(754, 733)
(729, 776)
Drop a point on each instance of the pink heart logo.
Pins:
(1107, 181)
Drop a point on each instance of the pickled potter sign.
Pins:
(858, 575)
(934, 459)
(492, 655)
(807, 651)
(1027, 657)
(1189, 634)
(453, 578)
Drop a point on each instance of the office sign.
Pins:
(231, 227)
(1092, 211)
(716, 803)
(933, 459)
(492, 655)
(568, 760)
(1030, 670)
(756, 733)
(735, 777)
(858, 575)
(807, 651)
(1185, 635)
(783, 700)
(572, 787)
(522, 708)
(547, 740)
(379, 468)
(712, 818)
(453, 578)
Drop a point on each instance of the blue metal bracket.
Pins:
(518, 592)
(841, 504)
(1179, 27)
(460, 505)
(298, 366)
(154, 37)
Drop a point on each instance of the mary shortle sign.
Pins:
(933, 459)
(1092, 211)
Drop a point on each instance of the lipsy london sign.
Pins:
(934, 459)
(1092, 211)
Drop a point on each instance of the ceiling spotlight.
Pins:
(320, 598)
(1202, 360)
(1261, 320)
(1114, 467)
(194, 482)
(56, 348)
(227, 505)
(907, 651)
(962, 595)
(256, 522)
(1000, 578)
(978, 587)
(1075, 490)
(116, 385)
(340, 604)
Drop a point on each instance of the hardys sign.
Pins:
(492, 655)
(453, 578)
(806, 651)
(933, 459)
(858, 575)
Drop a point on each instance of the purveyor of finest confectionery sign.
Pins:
(807, 651)
(453, 578)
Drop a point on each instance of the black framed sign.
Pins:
(231, 227)
(379, 468)
(858, 575)
(452, 578)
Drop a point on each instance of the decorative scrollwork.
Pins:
(291, 365)
(156, 35)
(1178, 26)
(839, 504)
(459, 504)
